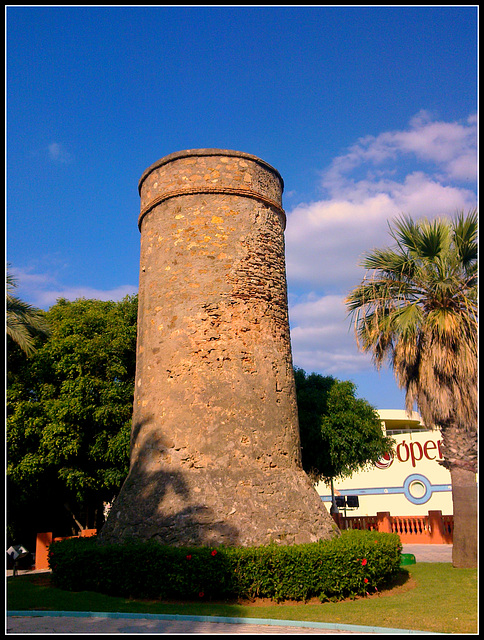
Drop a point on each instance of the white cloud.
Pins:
(325, 239)
(43, 289)
(58, 153)
(48, 298)
(375, 181)
(451, 147)
(322, 337)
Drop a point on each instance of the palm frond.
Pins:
(24, 322)
(465, 237)
(417, 308)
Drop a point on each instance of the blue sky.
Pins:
(367, 112)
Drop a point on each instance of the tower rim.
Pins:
(207, 152)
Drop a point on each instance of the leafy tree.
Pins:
(69, 410)
(340, 433)
(312, 392)
(417, 309)
(25, 323)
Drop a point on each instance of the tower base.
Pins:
(231, 508)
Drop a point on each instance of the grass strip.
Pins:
(430, 597)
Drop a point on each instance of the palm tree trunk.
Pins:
(464, 497)
(459, 449)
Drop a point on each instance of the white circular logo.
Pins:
(385, 461)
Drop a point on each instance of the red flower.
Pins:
(363, 562)
(366, 580)
(214, 552)
(201, 594)
(189, 557)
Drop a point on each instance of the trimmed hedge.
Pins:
(355, 563)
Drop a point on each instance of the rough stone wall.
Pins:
(215, 450)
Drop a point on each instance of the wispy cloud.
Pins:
(48, 298)
(43, 289)
(427, 170)
(320, 340)
(58, 153)
(449, 149)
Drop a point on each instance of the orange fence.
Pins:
(370, 523)
(43, 542)
(433, 528)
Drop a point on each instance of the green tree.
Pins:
(69, 410)
(24, 323)
(312, 392)
(417, 309)
(340, 433)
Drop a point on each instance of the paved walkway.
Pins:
(99, 623)
(52, 622)
(429, 552)
(96, 624)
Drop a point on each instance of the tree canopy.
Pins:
(69, 408)
(340, 433)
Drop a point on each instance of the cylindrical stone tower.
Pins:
(215, 449)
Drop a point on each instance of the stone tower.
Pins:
(215, 449)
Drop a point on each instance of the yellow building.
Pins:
(410, 482)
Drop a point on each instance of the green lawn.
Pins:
(434, 597)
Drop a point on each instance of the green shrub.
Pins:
(356, 563)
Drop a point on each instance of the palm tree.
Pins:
(24, 322)
(417, 309)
